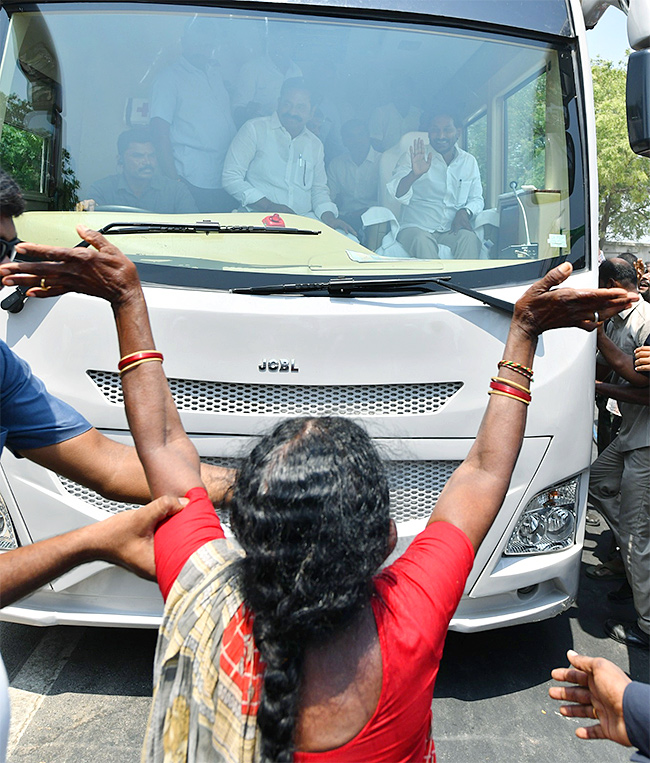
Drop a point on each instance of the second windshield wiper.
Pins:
(204, 226)
(346, 287)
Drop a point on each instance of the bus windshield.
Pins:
(405, 149)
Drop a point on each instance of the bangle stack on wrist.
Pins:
(505, 387)
(508, 388)
(135, 359)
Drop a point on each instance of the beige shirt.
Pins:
(628, 330)
(354, 187)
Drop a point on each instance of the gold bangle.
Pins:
(511, 383)
(139, 363)
(507, 394)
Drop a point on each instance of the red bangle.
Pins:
(137, 363)
(135, 356)
(513, 391)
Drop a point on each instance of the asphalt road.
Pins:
(82, 694)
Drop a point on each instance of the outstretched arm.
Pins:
(624, 393)
(598, 691)
(619, 361)
(114, 469)
(125, 539)
(170, 461)
(474, 494)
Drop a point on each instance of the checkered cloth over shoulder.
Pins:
(207, 672)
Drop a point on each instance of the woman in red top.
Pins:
(349, 658)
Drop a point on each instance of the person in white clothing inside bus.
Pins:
(275, 164)
(257, 88)
(190, 118)
(440, 188)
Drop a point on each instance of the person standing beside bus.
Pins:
(619, 486)
(441, 193)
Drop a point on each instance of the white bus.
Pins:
(259, 322)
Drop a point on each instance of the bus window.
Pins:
(192, 98)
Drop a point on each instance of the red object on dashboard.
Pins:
(274, 221)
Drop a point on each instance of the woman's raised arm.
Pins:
(170, 461)
(474, 494)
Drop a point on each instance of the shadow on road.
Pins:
(493, 663)
(509, 660)
(593, 606)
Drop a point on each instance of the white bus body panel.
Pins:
(217, 337)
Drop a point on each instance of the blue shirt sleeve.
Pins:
(636, 714)
(29, 416)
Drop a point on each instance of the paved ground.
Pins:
(82, 694)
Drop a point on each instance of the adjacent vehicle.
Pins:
(260, 318)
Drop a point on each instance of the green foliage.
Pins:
(623, 177)
(26, 156)
(66, 191)
(21, 152)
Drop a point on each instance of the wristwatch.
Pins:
(470, 214)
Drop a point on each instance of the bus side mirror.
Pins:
(638, 101)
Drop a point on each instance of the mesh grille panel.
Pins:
(294, 400)
(414, 487)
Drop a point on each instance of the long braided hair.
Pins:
(310, 509)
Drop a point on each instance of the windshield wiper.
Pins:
(345, 287)
(204, 226)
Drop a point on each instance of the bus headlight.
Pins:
(549, 521)
(7, 533)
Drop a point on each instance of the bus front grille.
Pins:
(231, 398)
(414, 487)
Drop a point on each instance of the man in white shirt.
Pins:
(441, 192)
(191, 121)
(353, 177)
(258, 85)
(274, 163)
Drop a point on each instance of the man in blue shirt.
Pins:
(139, 184)
(44, 429)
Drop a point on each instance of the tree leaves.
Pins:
(623, 177)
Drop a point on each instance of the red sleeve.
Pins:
(178, 537)
(427, 581)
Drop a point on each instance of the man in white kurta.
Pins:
(440, 189)
(275, 164)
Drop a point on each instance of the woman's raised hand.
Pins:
(544, 307)
(102, 271)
